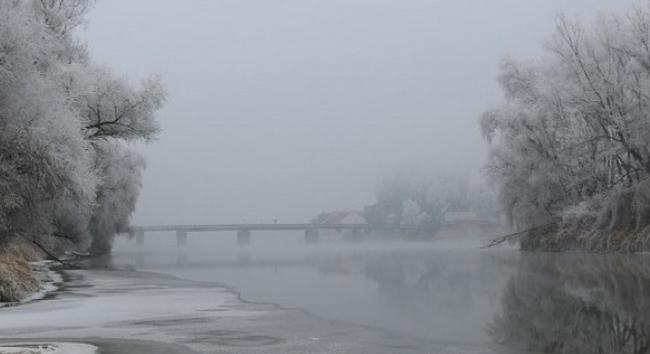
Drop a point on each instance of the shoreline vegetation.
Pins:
(554, 238)
(26, 275)
(570, 146)
(18, 281)
(69, 173)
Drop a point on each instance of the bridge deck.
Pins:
(271, 227)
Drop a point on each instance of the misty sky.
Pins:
(285, 108)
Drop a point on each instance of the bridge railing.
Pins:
(244, 230)
(271, 227)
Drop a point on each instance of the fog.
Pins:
(283, 109)
(319, 183)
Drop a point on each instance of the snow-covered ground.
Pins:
(48, 348)
(95, 301)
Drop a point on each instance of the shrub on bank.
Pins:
(16, 278)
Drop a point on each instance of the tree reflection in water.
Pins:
(568, 303)
(441, 295)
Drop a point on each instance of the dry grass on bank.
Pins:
(16, 278)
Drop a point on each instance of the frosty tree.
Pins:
(63, 121)
(571, 142)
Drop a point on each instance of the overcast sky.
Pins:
(285, 108)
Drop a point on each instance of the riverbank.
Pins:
(556, 238)
(125, 311)
(25, 276)
(17, 281)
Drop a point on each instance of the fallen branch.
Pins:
(501, 239)
(47, 252)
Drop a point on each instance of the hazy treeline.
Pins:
(66, 170)
(422, 200)
(425, 199)
(571, 143)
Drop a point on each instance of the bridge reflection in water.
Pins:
(526, 302)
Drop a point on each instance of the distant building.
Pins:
(457, 224)
(353, 217)
(340, 217)
(384, 212)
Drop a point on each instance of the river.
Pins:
(441, 291)
(280, 295)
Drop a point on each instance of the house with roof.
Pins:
(339, 218)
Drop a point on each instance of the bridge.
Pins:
(244, 230)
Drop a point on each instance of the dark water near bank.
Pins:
(442, 291)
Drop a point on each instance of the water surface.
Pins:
(441, 291)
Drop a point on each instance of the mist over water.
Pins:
(446, 291)
(324, 176)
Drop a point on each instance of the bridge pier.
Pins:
(243, 257)
(243, 237)
(181, 238)
(139, 238)
(181, 259)
(311, 235)
(355, 235)
(139, 259)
